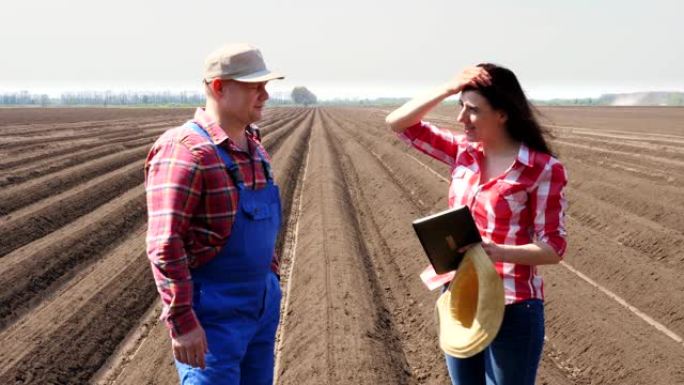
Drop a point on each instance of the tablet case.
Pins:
(443, 233)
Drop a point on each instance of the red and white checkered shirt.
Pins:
(524, 204)
(191, 206)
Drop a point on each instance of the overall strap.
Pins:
(233, 168)
(267, 166)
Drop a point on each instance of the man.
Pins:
(213, 218)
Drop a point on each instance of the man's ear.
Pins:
(216, 86)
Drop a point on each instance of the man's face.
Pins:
(243, 101)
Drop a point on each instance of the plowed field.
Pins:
(78, 303)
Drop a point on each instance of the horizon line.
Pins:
(328, 93)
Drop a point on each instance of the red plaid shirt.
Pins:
(191, 205)
(525, 203)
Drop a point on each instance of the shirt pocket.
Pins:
(458, 190)
(512, 198)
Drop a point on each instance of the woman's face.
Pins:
(481, 122)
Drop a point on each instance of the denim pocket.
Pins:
(257, 210)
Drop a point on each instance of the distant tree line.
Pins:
(131, 98)
(568, 102)
(102, 98)
(623, 99)
(24, 98)
(110, 98)
(370, 102)
(299, 95)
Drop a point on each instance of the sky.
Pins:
(347, 49)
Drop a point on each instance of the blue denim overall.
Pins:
(236, 295)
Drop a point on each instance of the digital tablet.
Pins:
(443, 233)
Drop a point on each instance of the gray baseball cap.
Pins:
(241, 62)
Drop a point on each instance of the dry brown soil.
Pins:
(78, 304)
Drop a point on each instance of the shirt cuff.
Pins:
(556, 242)
(275, 264)
(182, 323)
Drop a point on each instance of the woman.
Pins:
(504, 171)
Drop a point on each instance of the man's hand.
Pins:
(191, 347)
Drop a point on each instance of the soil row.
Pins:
(78, 273)
(603, 255)
(145, 355)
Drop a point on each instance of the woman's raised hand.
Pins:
(415, 109)
(471, 76)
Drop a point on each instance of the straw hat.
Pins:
(471, 310)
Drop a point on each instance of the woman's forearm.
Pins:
(537, 253)
(415, 109)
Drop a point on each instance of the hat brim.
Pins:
(260, 76)
(470, 312)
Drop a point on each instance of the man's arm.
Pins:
(173, 184)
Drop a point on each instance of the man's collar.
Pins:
(216, 133)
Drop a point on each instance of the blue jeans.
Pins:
(513, 356)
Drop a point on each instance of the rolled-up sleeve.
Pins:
(439, 143)
(173, 183)
(549, 204)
